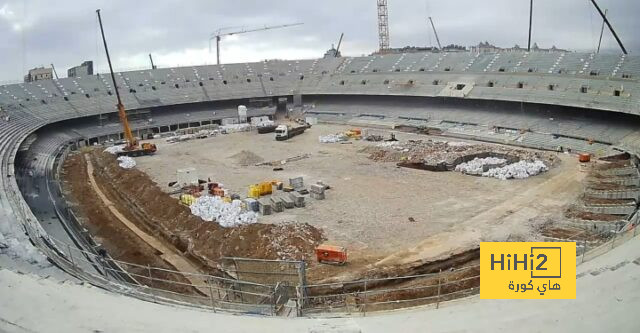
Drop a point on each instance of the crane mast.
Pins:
(383, 26)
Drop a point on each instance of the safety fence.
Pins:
(188, 288)
(377, 294)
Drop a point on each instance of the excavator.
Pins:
(132, 147)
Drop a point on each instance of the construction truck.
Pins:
(131, 148)
(284, 132)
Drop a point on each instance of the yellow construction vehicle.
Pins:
(132, 148)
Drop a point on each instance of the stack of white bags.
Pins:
(333, 138)
(475, 166)
(518, 170)
(213, 208)
(126, 162)
(114, 149)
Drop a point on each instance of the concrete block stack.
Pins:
(287, 201)
(252, 204)
(277, 204)
(298, 199)
(264, 205)
(316, 191)
(297, 183)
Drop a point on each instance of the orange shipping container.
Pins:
(584, 158)
(331, 254)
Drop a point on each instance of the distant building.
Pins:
(85, 69)
(488, 47)
(39, 73)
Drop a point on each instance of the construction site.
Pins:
(349, 204)
(338, 186)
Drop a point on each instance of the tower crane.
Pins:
(219, 34)
(132, 148)
(383, 26)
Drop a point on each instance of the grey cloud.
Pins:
(65, 32)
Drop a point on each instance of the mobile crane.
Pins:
(131, 148)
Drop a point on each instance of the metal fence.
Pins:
(198, 289)
(377, 294)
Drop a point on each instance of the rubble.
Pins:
(438, 152)
(213, 208)
(126, 162)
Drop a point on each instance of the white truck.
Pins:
(284, 132)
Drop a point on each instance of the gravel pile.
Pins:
(228, 215)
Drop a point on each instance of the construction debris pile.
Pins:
(451, 154)
(226, 214)
(126, 162)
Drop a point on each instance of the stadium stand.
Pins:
(580, 101)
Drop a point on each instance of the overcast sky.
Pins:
(40, 32)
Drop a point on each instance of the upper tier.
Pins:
(597, 81)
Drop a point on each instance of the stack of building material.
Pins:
(297, 183)
(264, 205)
(316, 191)
(252, 204)
(254, 191)
(298, 199)
(277, 204)
(287, 201)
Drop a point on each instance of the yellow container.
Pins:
(266, 188)
(254, 191)
(187, 199)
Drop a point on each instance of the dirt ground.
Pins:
(376, 209)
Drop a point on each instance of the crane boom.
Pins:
(339, 43)
(218, 35)
(606, 20)
(56, 73)
(151, 59)
(131, 148)
(435, 33)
